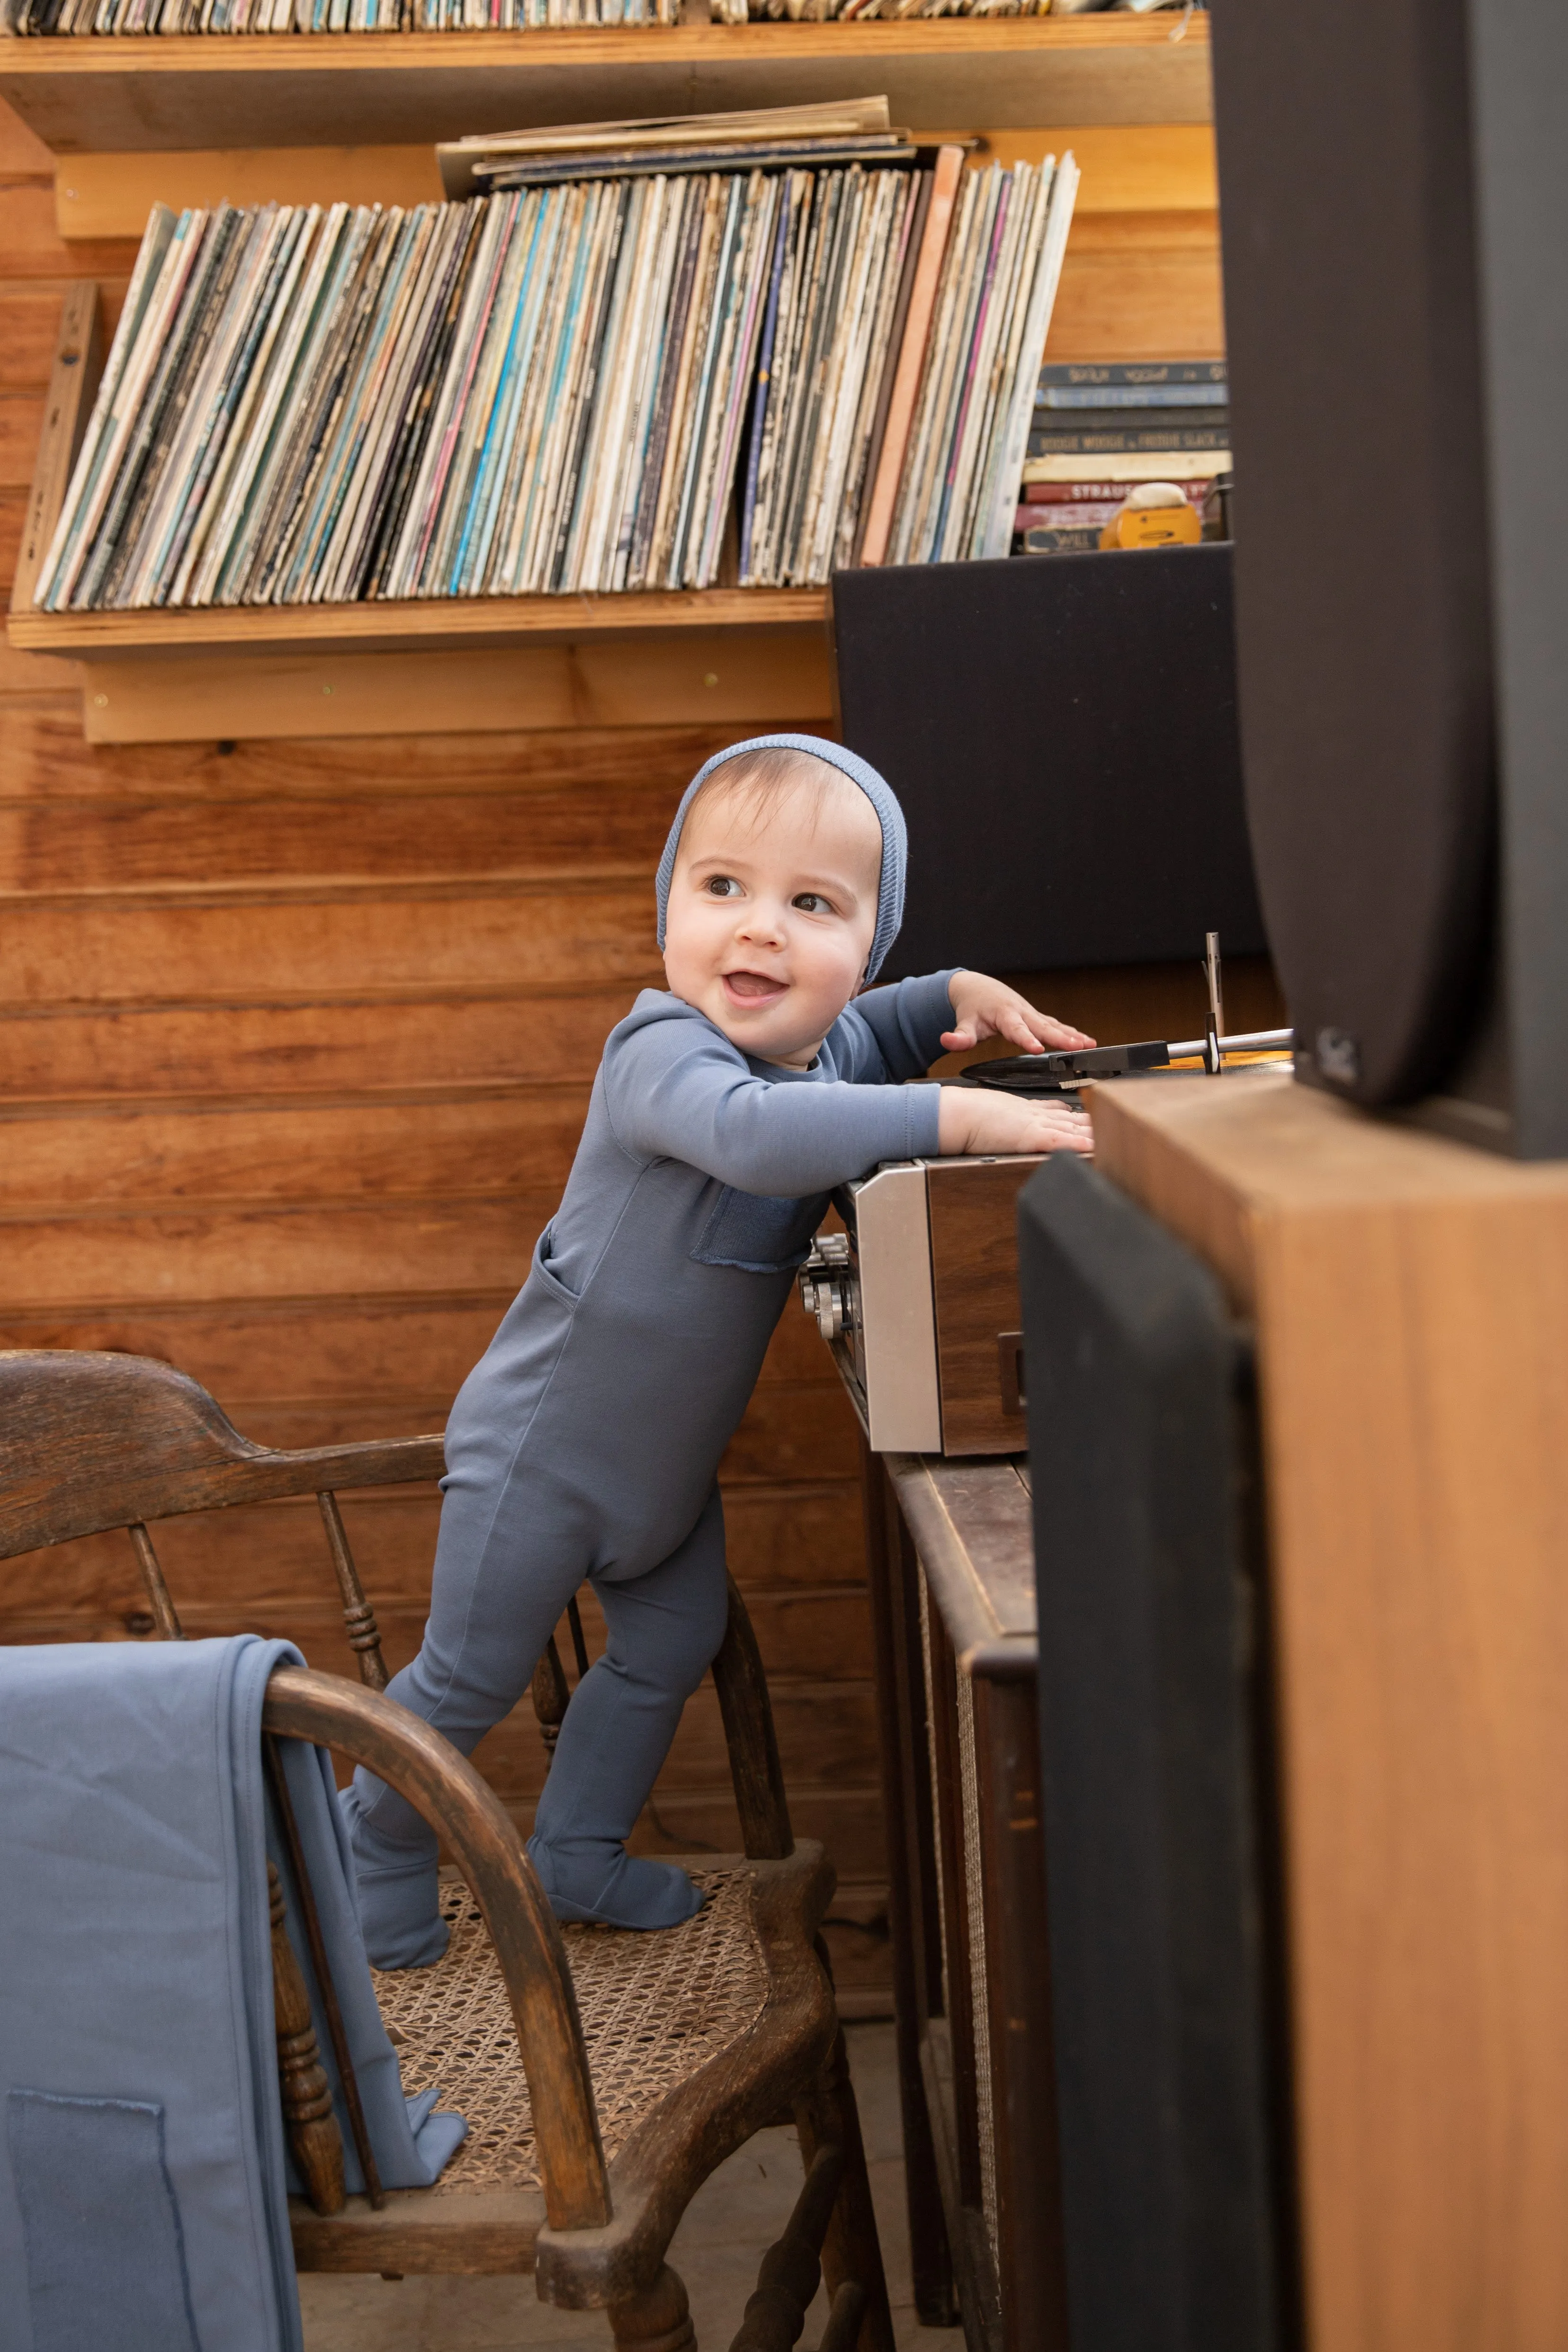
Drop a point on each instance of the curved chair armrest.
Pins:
(445, 1790)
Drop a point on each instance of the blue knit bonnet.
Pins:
(889, 817)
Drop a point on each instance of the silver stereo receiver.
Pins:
(918, 1297)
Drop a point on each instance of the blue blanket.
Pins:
(143, 2180)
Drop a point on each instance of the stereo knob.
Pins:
(826, 1297)
(829, 1254)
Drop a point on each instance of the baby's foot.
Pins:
(599, 1883)
(400, 1909)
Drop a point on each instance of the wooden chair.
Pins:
(604, 2074)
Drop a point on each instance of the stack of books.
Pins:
(1098, 429)
(654, 379)
(862, 12)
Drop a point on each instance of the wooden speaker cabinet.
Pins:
(1156, 1804)
(919, 1297)
(1406, 1298)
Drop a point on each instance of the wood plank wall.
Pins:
(295, 1043)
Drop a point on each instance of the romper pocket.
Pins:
(546, 1272)
(759, 1233)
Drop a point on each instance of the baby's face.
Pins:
(771, 914)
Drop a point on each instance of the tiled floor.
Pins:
(715, 2249)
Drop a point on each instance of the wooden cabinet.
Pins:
(1284, 1973)
(1409, 1302)
(956, 1665)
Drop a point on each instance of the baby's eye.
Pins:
(722, 886)
(811, 902)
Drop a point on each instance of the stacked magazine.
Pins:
(659, 380)
(846, 131)
(863, 12)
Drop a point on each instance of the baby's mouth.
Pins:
(753, 987)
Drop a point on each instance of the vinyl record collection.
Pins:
(615, 383)
(88, 16)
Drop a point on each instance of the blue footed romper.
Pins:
(585, 1445)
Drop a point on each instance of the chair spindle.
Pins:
(578, 1646)
(657, 2320)
(316, 1942)
(358, 1617)
(828, 2116)
(792, 2269)
(314, 2139)
(842, 2332)
(163, 1616)
(550, 1697)
(752, 1744)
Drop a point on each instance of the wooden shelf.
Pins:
(449, 666)
(368, 107)
(400, 628)
(1145, 168)
(146, 94)
(439, 665)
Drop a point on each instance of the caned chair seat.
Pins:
(654, 2009)
(731, 1996)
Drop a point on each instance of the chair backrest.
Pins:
(93, 1441)
(90, 1441)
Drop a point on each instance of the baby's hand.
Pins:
(987, 1008)
(978, 1119)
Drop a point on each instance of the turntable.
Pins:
(918, 1297)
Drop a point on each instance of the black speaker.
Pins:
(1061, 732)
(1394, 185)
(1166, 1973)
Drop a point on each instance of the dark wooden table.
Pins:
(952, 1580)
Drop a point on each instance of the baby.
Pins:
(585, 1445)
